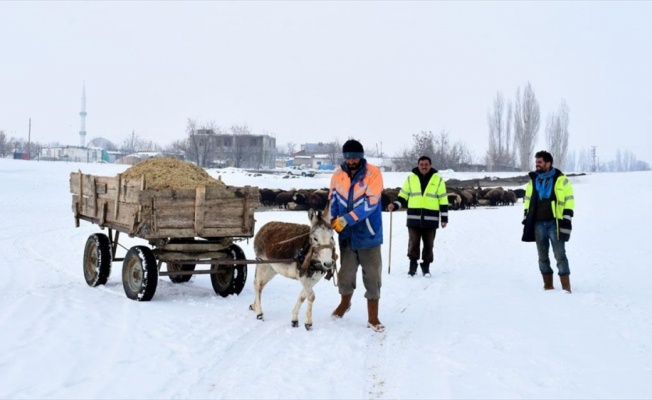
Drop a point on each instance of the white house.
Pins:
(74, 153)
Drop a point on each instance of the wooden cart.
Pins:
(184, 227)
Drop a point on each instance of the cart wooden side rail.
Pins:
(184, 228)
(128, 206)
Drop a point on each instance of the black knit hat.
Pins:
(352, 149)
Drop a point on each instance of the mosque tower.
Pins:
(82, 113)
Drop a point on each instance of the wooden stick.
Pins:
(389, 264)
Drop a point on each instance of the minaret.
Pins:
(82, 132)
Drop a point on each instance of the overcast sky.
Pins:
(319, 71)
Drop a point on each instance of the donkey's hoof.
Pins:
(259, 316)
(308, 327)
(295, 324)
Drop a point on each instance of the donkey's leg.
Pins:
(311, 299)
(264, 273)
(297, 306)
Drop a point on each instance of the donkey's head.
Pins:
(322, 244)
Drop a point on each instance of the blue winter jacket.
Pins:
(357, 199)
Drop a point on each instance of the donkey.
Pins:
(312, 248)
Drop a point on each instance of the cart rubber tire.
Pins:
(97, 259)
(174, 267)
(231, 278)
(240, 277)
(140, 273)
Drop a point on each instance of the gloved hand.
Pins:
(339, 224)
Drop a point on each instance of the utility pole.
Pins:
(593, 157)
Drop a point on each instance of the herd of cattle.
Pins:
(458, 198)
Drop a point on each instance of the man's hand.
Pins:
(443, 224)
(338, 224)
(390, 207)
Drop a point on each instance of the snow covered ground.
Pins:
(481, 327)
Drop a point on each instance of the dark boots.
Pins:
(547, 282)
(565, 282)
(425, 268)
(413, 267)
(373, 321)
(344, 306)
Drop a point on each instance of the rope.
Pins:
(292, 238)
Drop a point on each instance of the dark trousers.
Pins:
(418, 235)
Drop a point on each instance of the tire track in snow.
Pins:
(421, 301)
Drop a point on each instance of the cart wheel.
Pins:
(221, 280)
(229, 279)
(240, 276)
(140, 273)
(175, 267)
(97, 259)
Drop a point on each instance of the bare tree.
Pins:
(178, 146)
(439, 149)
(625, 161)
(557, 134)
(526, 125)
(422, 144)
(571, 164)
(447, 155)
(201, 141)
(4, 145)
(584, 161)
(135, 143)
(334, 149)
(629, 161)
(291, 148)
(501, 150)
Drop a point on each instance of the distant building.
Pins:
(384, 163)
(319, 148)
(305, 161)
(323, 155)
(74, 153)
(240, 151)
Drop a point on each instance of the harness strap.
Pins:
(291, 239)
(306, 268)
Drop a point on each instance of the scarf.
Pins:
(543, 184)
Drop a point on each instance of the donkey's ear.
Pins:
(311, 214)
(326, 215)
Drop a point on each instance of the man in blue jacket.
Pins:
(355, 192)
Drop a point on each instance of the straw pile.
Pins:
(170, 173)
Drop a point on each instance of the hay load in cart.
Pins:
(189, 219)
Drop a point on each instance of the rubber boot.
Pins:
(413, 267)
(547, 282)
(425, 268)
(344, 306)
(565, 282)
(373, 322)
